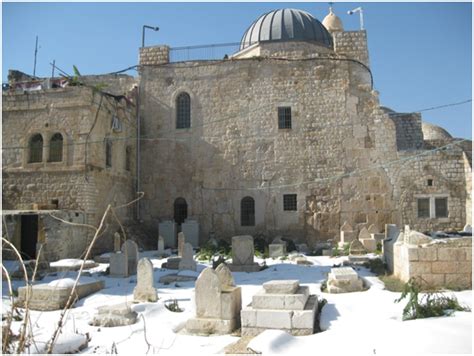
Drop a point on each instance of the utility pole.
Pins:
(36, 52)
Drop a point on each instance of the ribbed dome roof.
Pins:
(286, 25)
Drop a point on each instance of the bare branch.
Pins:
(6, 337)
(71, 223)
(142, 194)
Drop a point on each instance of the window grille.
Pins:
(289, 202)
(180, 210)
(36, 149)
(423, 207)
(247, 211)
(56, 148)
(284, 117)
(183, 111)
(441, 207)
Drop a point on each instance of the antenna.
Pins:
(36, 52)
(361, 15)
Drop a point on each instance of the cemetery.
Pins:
(279, 301)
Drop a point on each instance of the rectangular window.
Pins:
(289, 202)
(108, 153)
(128, 158)
(441, 207)
(284, 117)
(423, 207)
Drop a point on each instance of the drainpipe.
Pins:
(138, 165)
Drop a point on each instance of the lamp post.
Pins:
(361, 16)
(143, 32)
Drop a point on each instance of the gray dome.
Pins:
(286, 25)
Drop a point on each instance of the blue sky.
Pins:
(420, 53)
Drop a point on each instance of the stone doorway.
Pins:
(29, 236)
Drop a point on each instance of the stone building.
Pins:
(284, 137)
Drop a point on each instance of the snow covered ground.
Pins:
(366, 322)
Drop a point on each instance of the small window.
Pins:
(429, 182)
(56, 148)
(180, 210)
(289, 202)
(183, 111)
(108, 153)
(423, 207)
(284, 117)
(36, 149)
(247, 212)
(128, 158)
(441, 207)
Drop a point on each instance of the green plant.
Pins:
(346, 249)
(429, 305)
(172, 305)
(376, 265)
(378, 249)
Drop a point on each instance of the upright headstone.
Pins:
(364, 234)
(161, 246)
(225, 276)
(130, 248)
(117, 242)
(181, 242)
(243, 254)
(168, 229)
(392, 233)
(118, 266)
(357, 248)
(373, 229)
(145, 290)
(347, 234)
(190, 228)
(187, 262)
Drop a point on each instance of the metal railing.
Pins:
(203, 52)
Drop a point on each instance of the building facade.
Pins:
(284, 137)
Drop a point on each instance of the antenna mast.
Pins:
(36, 52)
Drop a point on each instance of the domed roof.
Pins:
(286, 25)
(332, 22)
(434, 132)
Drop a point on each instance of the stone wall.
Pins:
(353, 44)
(154, 55)
(443, 263)
(408, 130)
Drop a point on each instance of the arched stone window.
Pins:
(183, 111)
(247, 211)
(56, 148)
(36, 149)
(108, 152)
(180, 210)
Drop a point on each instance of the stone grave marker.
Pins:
(161, 246)
(243, 254)
(145, 290)
(117, 242)
(373, 229)
(343, 280)
(187, 261)
(118, 265)
(130, 248)
(181, 242)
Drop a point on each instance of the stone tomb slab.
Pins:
(281, 286)
(344, 273)
(54, 295)
(344, 280)
(277, 250)
(114, 315)
(290, 301)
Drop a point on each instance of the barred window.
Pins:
(441, 207)
(36, 149)
(180, 210)
(247, 211)
(128, 158)
(56, 148)
(289, 202)
(108, 152)
(183, 111)
(284, 117)
(423, 207)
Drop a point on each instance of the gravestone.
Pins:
(161, 246)
(117, 242)
(357, 248)
(145, 290)
(190, 228)
(276, 250)
(373, 229)
(168, 229)
(364, 234)
(392, 233)
(187, 261)
(118, 265)
(218, 303)
(344, 280)
(347, 234)
(181, 242)
(114, 315)
(130, 248)
(243, 254)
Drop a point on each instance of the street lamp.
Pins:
(361, 15)
(143, 33)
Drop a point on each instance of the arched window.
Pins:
(183, 111)
(247, 211)
(36, 149)
(56, 148)
(180, 210)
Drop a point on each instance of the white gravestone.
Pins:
(130, 248)
(190, 228)
(168, 230)
(187, 262)
(145, 290)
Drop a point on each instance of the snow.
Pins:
(367, 322)
(71, 262)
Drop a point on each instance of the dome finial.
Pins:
(332, 22)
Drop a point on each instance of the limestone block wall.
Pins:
(154, 55)
(468, 175)
(441, 263)
(353, 44)
(408, 129)
(234, 148)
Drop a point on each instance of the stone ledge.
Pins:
(204, 326)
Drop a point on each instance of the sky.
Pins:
(420, 53)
